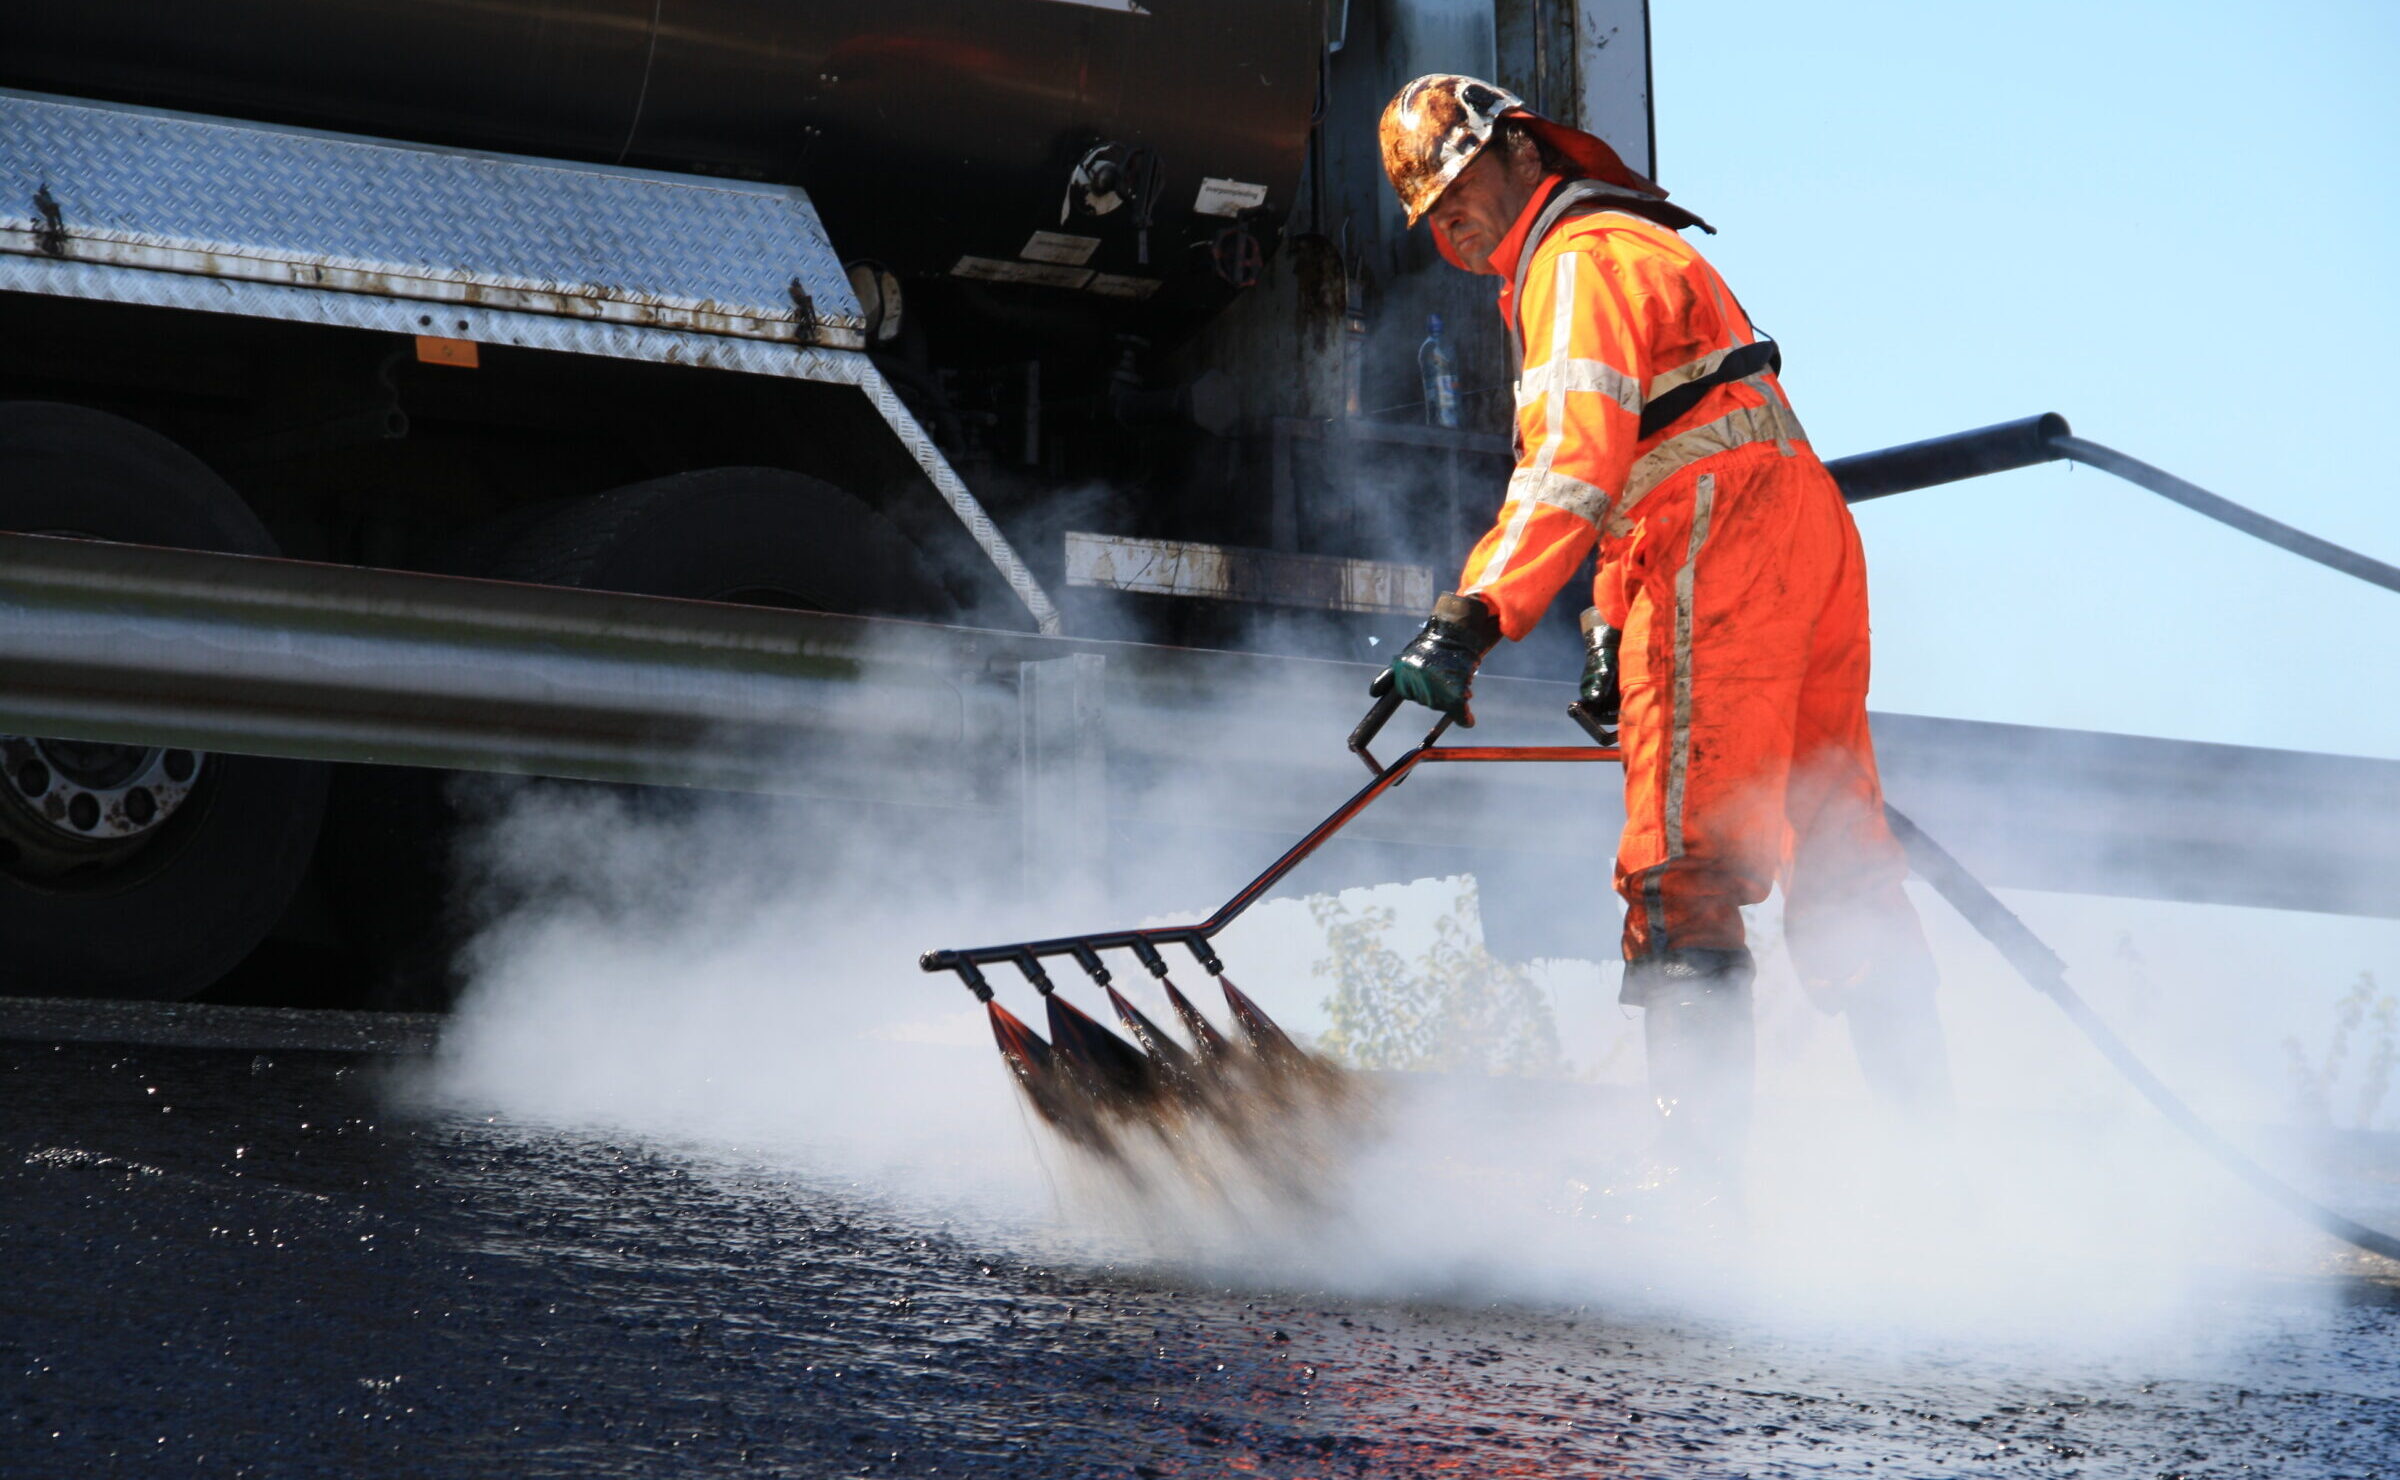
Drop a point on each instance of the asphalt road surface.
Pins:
(242, 1259)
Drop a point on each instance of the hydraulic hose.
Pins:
(2047, 974)
(1905, 469)
(2227, 512)
(2047, 438)
(2023, 443)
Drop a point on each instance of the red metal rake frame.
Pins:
(1145, 944)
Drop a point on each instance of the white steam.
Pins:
(742, 973)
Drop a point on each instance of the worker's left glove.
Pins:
(1599, 699)
(1437, 668)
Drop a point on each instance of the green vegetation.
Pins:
(1455, 1008)
(2363, 1012)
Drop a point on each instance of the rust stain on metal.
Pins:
(591, 301)
(804, 311)
(50, 237)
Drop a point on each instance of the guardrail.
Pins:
(1075, 741)
(1070, 742)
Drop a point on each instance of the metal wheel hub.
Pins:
(72, 803)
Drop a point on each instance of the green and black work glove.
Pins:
(1598, 701)
(1437, 668)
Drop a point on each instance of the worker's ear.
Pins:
(1524, 157)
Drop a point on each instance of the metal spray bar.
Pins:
(1087, 1082)
(1145, 944)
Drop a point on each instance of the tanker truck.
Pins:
(1083, 317)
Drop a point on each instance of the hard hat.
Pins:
(1435, 126)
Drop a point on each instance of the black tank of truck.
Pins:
(1094, 164)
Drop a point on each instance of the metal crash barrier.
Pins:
(1080, 739)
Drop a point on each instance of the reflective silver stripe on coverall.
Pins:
(1679, 735)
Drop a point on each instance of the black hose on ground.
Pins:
(2047, 974)
(2019, 444)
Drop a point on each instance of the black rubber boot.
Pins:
(1702, 1053)
(1898, 1039)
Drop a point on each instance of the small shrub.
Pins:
(1456, 1008)
(2363, 1014)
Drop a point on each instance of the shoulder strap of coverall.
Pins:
(1576, 197)
(1573, 195)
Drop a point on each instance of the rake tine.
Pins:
(1113, 1065)
(1171, 1058)
(1165, 1054)
(1210, 1042)
(1056, 1098)
(1213, 1044)
(1268, 1039)
(1023, 1048)
(1027, 1056)
(1107, 1063)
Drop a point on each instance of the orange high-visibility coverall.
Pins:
(1729, 560)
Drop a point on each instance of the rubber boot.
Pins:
(1897, 1036)
(1873, 967)
(1702, 1055)
(1921, 1178)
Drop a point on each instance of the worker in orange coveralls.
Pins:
(1728, 632)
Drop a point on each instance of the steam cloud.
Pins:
(739, 976)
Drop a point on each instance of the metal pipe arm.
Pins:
(2047, 438)
(1195, 937)
(1936, 460)
(2226, 512)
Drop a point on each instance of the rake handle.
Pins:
(1386, 705)
(1145, 943)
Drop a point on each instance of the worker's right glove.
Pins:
(1437, 668)
(1598, 701)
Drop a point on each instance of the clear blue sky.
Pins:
(2176, 224)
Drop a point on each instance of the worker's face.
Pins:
(1485, 200)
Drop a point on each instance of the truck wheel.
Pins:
(126, 870)
(756, 536)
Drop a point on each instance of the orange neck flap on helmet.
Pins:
(1433, 128)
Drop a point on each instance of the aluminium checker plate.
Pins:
(171, 210)
(152, 194)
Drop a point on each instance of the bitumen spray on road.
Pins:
(641, 990)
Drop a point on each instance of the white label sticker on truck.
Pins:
(1058, 246)
(1118, 285)
(1228, 197)
(1048, 274)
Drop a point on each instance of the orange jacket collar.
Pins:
(1512, 246)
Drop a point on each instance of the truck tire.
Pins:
(755, 536)
(160, 907)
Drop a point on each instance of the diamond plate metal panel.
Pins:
(66, 278)
(136, 188)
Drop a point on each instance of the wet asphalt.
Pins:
(241, 1260)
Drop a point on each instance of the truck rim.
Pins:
(79, 805)
(71, 805)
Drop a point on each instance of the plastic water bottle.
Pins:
(1439, 372)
